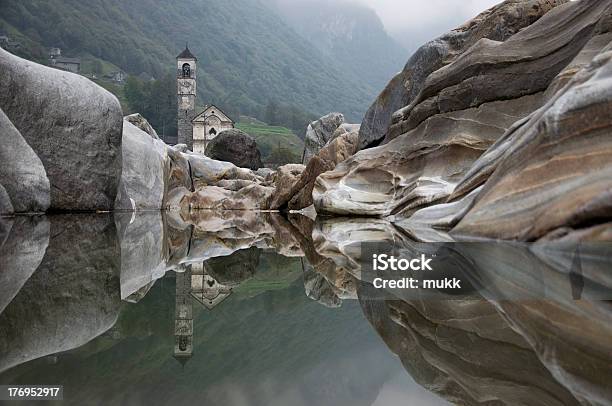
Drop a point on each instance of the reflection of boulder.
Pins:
(144, 250)
(318, 288)
(6, 207)
(571, 337)
(71, 298)
(20, 253)
(465, 352)
(235, 268)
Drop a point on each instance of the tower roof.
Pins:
(186, 54)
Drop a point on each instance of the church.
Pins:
(195, 129)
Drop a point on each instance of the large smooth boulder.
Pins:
(22, 174)
(419, 168)
(237, 147)
(143, 178)
(497, 24)
(557, 171)
(319, 133)
(72, 124)
(462, 110)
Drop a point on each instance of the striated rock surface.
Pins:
(319, 133)
(237, 147)
(22, 174)
(286, 178)
(420, 167)
(555, 170)
(72, 124)
(522, 115)
(497, 24)
(339, 149)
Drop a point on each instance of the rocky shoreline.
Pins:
(498, 129)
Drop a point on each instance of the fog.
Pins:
(413, 22)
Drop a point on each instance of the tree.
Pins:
(272, 113)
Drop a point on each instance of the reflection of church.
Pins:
(195, 130)
(194, 283)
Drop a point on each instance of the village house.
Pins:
(68, 64)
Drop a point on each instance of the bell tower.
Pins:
(186, 93)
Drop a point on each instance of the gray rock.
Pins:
(72, 124)
(22, 173)
(184, 148)
(420, 167)
(139, 121)
(234, 269)
(493, 70)
(143, 250)
(236, 147)
(557, 171)
(21, 254)
(497, 24)
(73, 296)
(318, 288)
(143, 183)
(286, 178)
(319, 133)
(6, 207)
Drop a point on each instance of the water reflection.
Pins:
(250, 298)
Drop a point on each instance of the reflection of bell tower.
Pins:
(194, 282)
(183, 323)
(186, 91)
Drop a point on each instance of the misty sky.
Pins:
(413, 22)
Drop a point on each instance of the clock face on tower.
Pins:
(186, 86)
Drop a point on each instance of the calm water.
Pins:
(257, 309)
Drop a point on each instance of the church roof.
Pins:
(186, 54)
(217, 112)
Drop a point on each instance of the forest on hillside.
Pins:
(247, 55)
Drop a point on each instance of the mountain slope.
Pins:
(349, 33)
(247, 54)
